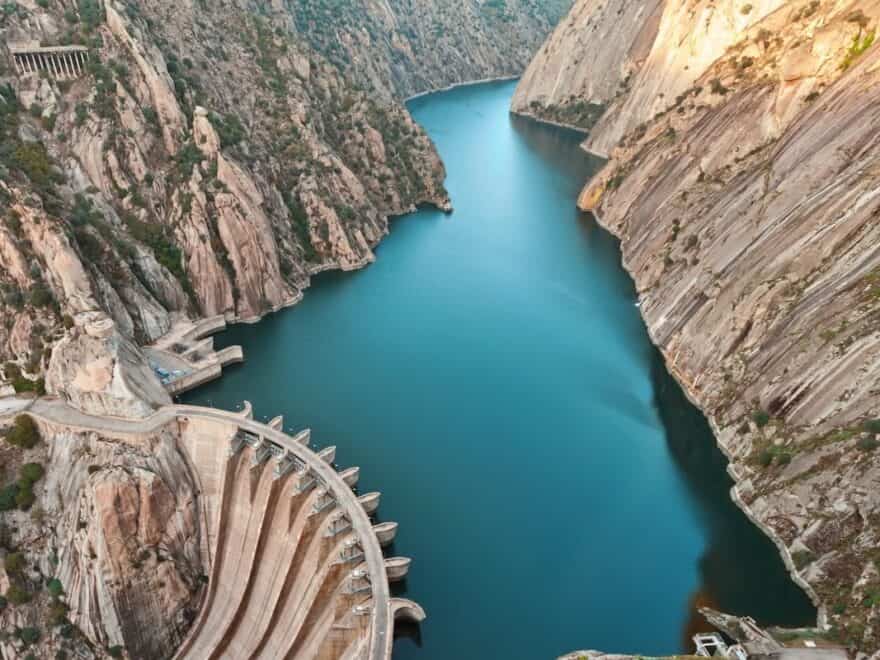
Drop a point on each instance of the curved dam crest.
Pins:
(491, 375)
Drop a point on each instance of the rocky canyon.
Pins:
(742, 182)
(206, 159)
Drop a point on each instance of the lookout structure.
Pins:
(60, 62)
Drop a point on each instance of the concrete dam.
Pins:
(294, 563)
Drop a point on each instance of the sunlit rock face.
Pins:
(659, 49)
(100, 372)
(742, 181)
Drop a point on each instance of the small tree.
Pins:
(25, 498)
(868, 444)
(17, 596)
(56, 614)
(760, 418)
(55, 588)
(7, 497)
(29, 635)
(14, 563)
(24, 432)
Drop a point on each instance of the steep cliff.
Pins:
(746, 199)
(404, 47)
(210, 161)
(100, 544)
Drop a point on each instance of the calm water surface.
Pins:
(492, 377)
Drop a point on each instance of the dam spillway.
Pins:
(296, 565)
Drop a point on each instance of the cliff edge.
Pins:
(743, 183)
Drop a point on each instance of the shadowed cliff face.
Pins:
(746, 202)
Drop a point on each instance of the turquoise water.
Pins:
(492, 377)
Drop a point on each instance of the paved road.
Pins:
(58, 412)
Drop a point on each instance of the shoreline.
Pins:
(583, 131)
(732, 471)
(464, 83)
(366, 261)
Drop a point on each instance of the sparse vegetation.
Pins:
(760, 418)
(24, 432)
(802, 558)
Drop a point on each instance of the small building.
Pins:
(59, 62)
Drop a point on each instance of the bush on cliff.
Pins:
(760, 418)
(56, 614)
(55, 588)
(14, 563)
(25, 498)
(7, 497)
(29, 635)
(24, 432)
(30, 473)
(872, 426)
(17, 596)
(868, 443)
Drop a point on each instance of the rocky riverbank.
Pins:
(742, 184)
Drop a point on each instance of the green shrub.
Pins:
(765, 458)
(867, 444)
(784, 458)
(41, 296)
(17, 596)
(24, 432)
(25, 497)
(91, 12)
(31, 473)
(872, 426)
(56, 613)
(7, 497)
(55, 588)
(859, 45)
(115, 651)
(760, 418)
(29, 635)
(14, 563)
(33, 159)
(22, 384)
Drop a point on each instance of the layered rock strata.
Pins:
(742, 182)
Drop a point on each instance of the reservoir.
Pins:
(491, 376)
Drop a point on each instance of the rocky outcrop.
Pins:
(660, 49)
(746, 204)
(101, 372)
(126, 533)
(575, 74)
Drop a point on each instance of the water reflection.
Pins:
(728, 581)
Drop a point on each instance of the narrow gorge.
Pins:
(742, 182)
(549, 472)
